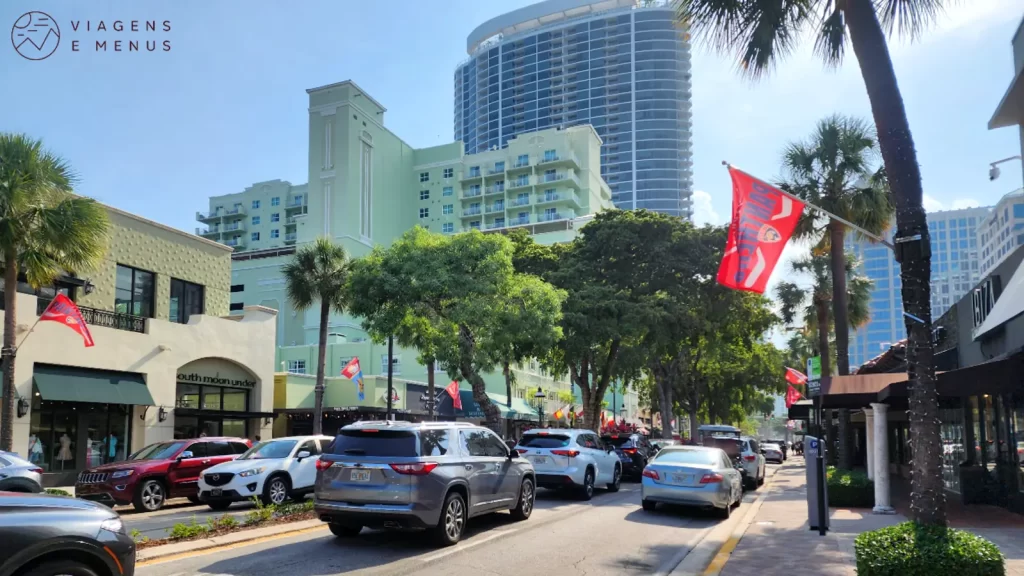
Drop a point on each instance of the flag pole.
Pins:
(25, 337)
(871, 235)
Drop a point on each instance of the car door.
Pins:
(609, 458)
(727, 470)
(593, 447)
(303, 470)
(184, 473)
(482, 470)
(510, 475)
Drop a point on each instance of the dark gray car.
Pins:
(19, 475)
(433, 475)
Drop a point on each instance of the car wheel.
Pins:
(275, 491)
(527, 495)
(452, 522)
(648, 505)
(724, 513)
(345, 530)
(219, 505)
(150, 496)
(616, 480)
(760, 481)
(587, 490)
(61, 567)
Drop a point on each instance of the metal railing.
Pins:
(496, 225)
(472, 193)
(290, 237)
(551, 217)
(520, 202)
(105, 318)
(519, 221)
(471, 212)
(497, 170)
(496, 189)
(496, 208)
(296, 202)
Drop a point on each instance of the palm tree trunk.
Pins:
(508, 397)
(840, 319)
(318, 391)
(927, 499)
(8, 352)
(431, 408)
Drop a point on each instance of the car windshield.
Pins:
(544, 441)
(618, 441)
(686, 456)
(159, 451)
(269, 449)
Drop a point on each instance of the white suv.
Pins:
(575, 459)
(274, 470)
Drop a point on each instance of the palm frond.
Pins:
(318, 272)
(830, 43)
(907, 17)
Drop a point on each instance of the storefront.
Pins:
(213, 397)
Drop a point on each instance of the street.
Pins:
(610, 535)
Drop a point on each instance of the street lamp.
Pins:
(539, 397)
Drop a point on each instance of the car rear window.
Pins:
(684, 456)
(375, 443)
(618, 441)
(544, 441)
(732, 448)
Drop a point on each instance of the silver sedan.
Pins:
(692, 476)
(18, 475)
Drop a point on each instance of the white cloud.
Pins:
(703, 211)
(961, 203)
(931, 204)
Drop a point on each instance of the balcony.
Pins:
(473, 192)
(211, 232)
(234, 226)
(235, 242)
(105, 318)
(290, 237)
(497, 207)
(495, 170)
(570, 197)
(520, 166)
(496, 189)
(296, 202)
(519, 202)
(471, 175)
(238, 210)
(208, 216)
(496, 225)
(291, 220)
(555, 216)
(519, 183)
(469, 212)
(519, 221)
(567, 177)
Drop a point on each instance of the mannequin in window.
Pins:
(65, 450)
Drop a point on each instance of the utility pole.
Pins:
(391, 370)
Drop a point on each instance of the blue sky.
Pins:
(157, 133)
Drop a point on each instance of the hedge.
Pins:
(911, 549)
(850, 489)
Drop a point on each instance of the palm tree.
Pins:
(835, 170)
(762, 31)
(319, 271)
(45, 230)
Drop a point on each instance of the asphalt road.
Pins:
(608, 536)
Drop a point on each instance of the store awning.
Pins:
(73, 384)
(1009, 305)
(520, 409)
(1010, 111)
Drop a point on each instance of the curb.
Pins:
(167, 552)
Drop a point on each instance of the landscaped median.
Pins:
(911, 549)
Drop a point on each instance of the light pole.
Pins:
(539, 397)
(993, 167)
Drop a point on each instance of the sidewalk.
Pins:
(779, 542)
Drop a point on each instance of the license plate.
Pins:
(539, 459)
(682, 478)
(360, 476)
(216, 491)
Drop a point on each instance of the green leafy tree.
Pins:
(318, 273)
(760, 32)
(45, 230)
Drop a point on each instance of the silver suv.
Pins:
(433, 475)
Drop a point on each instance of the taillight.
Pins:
(652, 474)
(323, 464)
(415, 469)
(750, 458)
(711, 479)
(36, 470)
(629, 450)
(569, 453)
(522, 450)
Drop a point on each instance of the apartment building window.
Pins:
(396, 364)
(550, 176)
(275, 201)
(297, 366)
(255, 220)
(550, 212)
(475, 224)
(523, 180)
(448, 209)
(255, 204)
(549, 194)
(550, 156)
(499, 222)
(424, 194)
(524, 217)
(424, 176)
(134, 291)
(499, 166)
(447, 191)
(449, 172)
(424, 212)
(238, 288)
(523, 160)
(275, 217)
(255, 236)
(447, 227)
(474, 190)
(236, 306)
(499, 186)
(186, 300)
(474, 171)
(275, 233)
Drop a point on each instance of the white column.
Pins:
(881, 471)
(869, 428)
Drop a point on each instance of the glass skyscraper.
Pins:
(619, 65)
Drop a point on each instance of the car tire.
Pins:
(648, 505)
(760, 481)
(219, 505)
(150, 496)
(59, 567)
(527, 497)
(587, 490)
(275, 490)
(724, 513)
(345, 530)
(616, 480)
(452, 522)
(193, 499)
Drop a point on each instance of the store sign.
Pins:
(814, 376)
(216, 372)
(984, 299)
(215, 380)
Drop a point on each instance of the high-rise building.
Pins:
(955, 270)
(622, 66)
(1001, 231)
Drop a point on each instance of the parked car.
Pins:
(572, 459)
(772, 453)
(159, 471)
(782, 444)
(634, 452)
(692, 476)
(749, 451)
(274, 470)
(19, 475)
(433, 475)
(43, 535)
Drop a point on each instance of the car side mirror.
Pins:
(302, 455)
(185, 454)
(513, 454)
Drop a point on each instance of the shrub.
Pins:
(261, 513)
(191, 530)
(57, 492)
(850, 489)
(138, 537)
(223, 522)
(295, 508)
(911, 549)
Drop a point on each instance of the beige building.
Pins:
(167, 362)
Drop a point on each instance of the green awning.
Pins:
(520, 409)
(72, 384)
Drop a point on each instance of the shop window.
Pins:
(134, 292)
(187, 396)
(54, 430)
(297, 366)
(233, 427)
(235, 400)
(186, 300)
(211, 398)
(1017, 439)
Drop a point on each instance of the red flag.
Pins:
(792, 396)
(453, 391)
(763, 219)
(795, 377)
(63, 310)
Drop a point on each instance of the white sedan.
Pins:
(274, 471)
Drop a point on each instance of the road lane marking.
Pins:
(467, 546)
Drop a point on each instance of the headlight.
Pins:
(252, 472)
(113, 525)
(122, 474)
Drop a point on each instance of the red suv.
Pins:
(159, 471)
